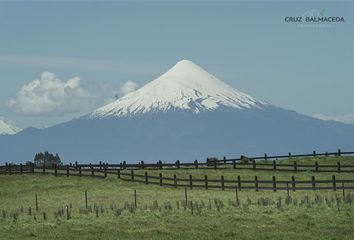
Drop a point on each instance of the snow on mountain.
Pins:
(7, 128)
(185, 86)
(194, 116)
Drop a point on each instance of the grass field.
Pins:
(162, 213)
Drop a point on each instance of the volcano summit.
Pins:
(185, 87)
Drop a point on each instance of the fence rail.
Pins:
(243, 162)
(206, 183)
(250, 163)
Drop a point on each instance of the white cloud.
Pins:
(346, 118)
(51, 96)
(128, 86)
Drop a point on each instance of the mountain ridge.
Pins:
(8, 128)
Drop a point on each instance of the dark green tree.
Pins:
(47, 158)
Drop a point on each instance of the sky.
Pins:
(60, 60)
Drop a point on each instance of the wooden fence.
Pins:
(250, 163)
(253, 165)
(202, 183)
(238, 183)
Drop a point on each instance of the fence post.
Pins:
(265, 156)
(186, 196)
(313, 183)
(86, 199)
(224, 160)
(175, 180)
(293, 183)
(32, 167)
(274, 165)
(105, 171)
(160, 175)
(80, 172)
(338, 166)
(67, 170)
(289, 154)
(21, 170)
(295, 166)
(146, 178)
(92, 172)
(274, 184)
(196, 163)
(10, 169)
(234, 164)
(237, 200)
(215, 163)
(334, 182)
(239, 182)
(135, 200)
(339, 152)
(56, 170)
(222, 183)
(100, 165)
(118, 173)
(132, 174)
(314, 153)
(43, 168)
(36, 202)
(254, 164)
(206, 182)
(316, 166)
(256, 182)
(190, 182)
(6, 167)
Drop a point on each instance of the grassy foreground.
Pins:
(162, 213)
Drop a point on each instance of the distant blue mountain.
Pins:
(180, 135)
(185, 114)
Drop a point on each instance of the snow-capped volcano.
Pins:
(185, 86)
(7, 128)
(184, 114)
